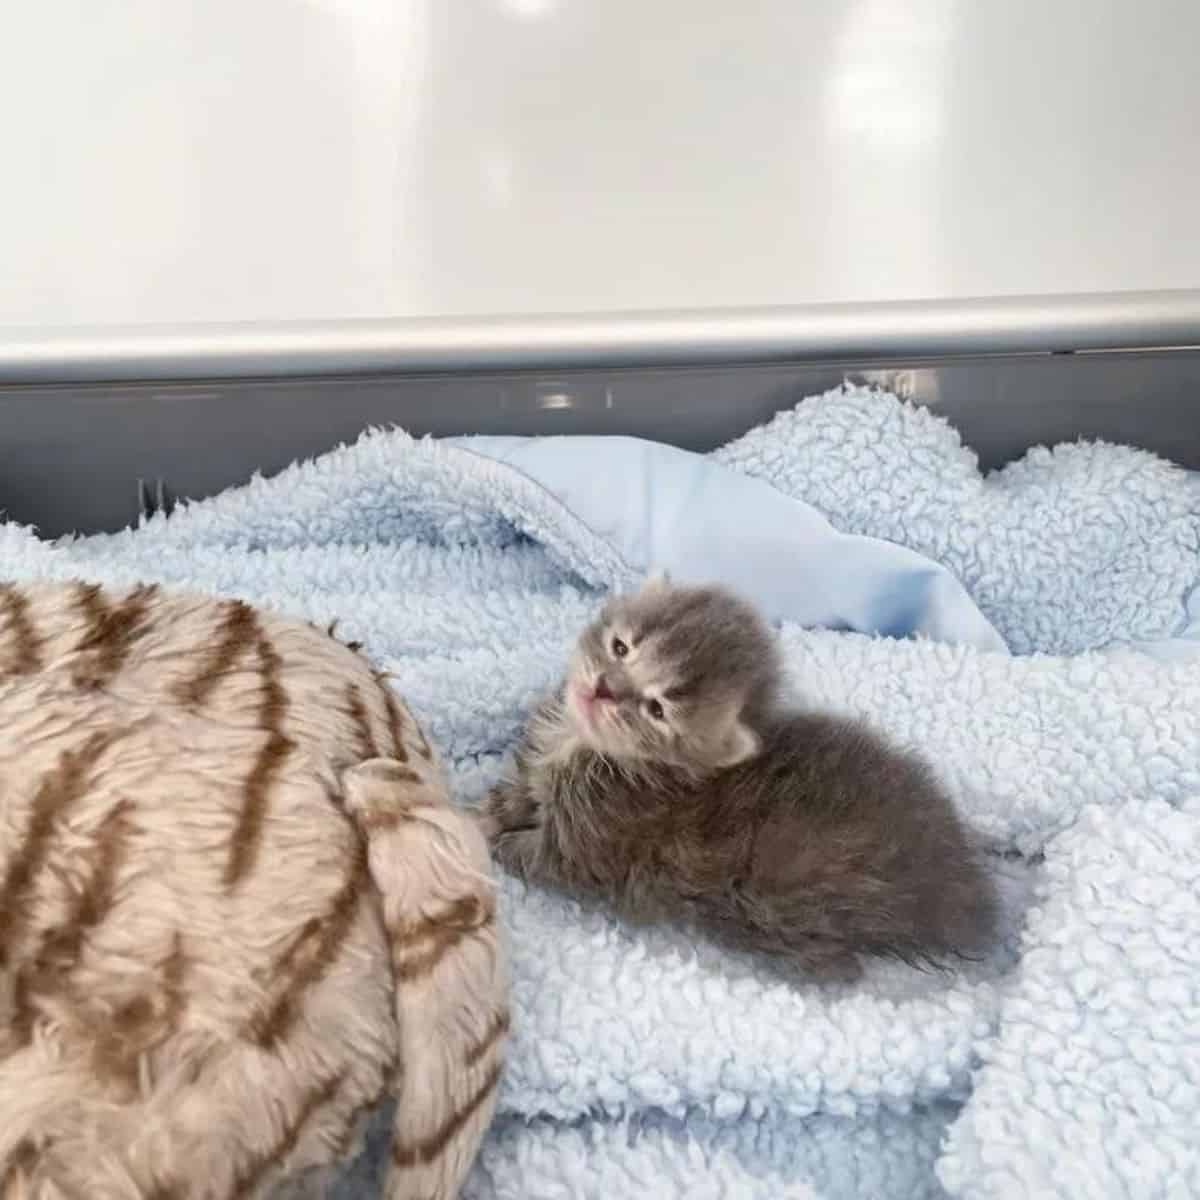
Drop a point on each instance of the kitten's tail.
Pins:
(430, 865)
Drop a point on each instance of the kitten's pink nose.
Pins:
(601, 690)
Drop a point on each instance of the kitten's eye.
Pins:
(654, 709)
(619, 648)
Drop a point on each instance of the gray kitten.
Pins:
(667, 778)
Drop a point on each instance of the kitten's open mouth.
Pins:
(580, 701)
(583, 706)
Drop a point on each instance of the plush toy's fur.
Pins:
(236, 909)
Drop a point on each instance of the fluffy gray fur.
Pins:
(667, 778)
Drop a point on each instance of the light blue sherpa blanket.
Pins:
(645, 1065)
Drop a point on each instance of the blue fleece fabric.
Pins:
(643, 1064)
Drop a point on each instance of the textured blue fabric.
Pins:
(1064, 550)
(1091, 1085)
(644, 1064)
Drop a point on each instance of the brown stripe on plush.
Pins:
(331, 630)
(246, 839)
(167, 1191)
(60, 946)
(250, 1176)
(22, 1162)
(418, 966)
(389, 771)
(383, 820)
(306, 960)
(238, 629)
(438, 938)
(497, 1028)
(20, 1024)
(60, 789)
(398, 718)
(465, 913)
(111, 634)
(25, 649)
(10, 1042)
(92, 905)
(152, 1017)
(140, 1024)
(89, 599)
(173, 972)
(365, 737)
(428, 1148)
(395, 721)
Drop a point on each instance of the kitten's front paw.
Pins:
(506, 807)
(515, 850)
(489, 824)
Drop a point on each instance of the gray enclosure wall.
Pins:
(72, 455)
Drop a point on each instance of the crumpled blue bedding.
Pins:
(1029, 632)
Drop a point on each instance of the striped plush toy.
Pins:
(236, 909)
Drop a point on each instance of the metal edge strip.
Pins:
(1006, 325)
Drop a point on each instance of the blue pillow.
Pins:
(666, 509)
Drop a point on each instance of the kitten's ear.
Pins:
(656, 581)
(739, 743)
